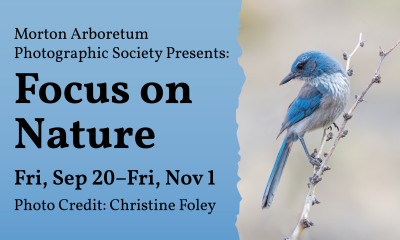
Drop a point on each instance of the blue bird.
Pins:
(320, 102)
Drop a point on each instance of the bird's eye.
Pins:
(300, 65)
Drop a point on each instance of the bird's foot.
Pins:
(336, 126)
(315, 162)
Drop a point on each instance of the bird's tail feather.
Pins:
(277, 172)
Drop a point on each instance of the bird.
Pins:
(320, 101)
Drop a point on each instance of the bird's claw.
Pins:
(315, 162)
(336, 126)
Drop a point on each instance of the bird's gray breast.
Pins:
(336, 90)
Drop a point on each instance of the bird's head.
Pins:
(310, 65)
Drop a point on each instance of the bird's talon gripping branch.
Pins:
(312, 160)
(315, 162)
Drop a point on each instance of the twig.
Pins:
(349, 56)
(310, 199)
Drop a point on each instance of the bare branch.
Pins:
(360, 43)
(317, 173)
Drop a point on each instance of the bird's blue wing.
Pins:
(303, 106)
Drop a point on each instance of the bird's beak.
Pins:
(289, 77)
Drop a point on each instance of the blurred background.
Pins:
(360, 196)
